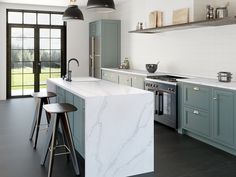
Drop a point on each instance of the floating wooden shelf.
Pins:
(198, 24)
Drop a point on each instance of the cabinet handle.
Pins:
(214, 98)
(196, 88)
(196, 112)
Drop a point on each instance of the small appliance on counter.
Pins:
(151, 68)
(125, 64)
(224, 76)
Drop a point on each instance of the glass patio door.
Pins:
(35, 57)
(36, 45)
(22, 52)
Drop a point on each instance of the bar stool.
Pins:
(42, 99)
(61, 117)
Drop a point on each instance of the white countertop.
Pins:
(91, 87)
(133, 71)
(210, 82)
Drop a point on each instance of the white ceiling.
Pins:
(51, 2)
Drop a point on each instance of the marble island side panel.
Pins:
(119, 129)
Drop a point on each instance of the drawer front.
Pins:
(125, 80)
(197, 121)
(197, 96)
(138, 82)
(110, 76)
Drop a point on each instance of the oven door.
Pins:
(166, 108)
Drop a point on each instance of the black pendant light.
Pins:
(102, 6)
(73, 12)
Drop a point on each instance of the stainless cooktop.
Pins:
(167, 78)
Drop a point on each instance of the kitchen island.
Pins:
(114, 128)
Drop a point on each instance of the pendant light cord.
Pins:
(72, 2)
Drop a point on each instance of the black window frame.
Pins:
(38, 26)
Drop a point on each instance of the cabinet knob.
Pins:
(196, 88)
(196, 112)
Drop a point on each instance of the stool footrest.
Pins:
(62, 153)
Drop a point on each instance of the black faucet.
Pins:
(69, 72)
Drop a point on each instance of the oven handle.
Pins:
(160, 103)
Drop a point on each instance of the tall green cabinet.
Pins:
(104, 45)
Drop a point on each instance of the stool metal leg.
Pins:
(48, 115)
(64, 139)
(35, 120)
(48, 140)
(38, 123)
(53, 145)
(69, 138)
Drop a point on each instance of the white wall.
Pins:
(77, 40)
(198, 52)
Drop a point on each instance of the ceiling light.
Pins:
(73, 12)
(102, 6)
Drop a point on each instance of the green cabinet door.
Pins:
(125, 80)
(79, 125)
(138, 82)
(69, 98)
(223, 116)
(60, 95)
(197, 96)
(197, 121)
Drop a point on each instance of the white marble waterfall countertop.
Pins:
(117, 126)
(210, 82)
(91, 87)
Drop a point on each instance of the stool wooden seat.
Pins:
(61, 117)
(42, 99)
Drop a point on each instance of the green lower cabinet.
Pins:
(79, 125)
(223, 116)
(197, 121)
(60, 95)
(125, 80)
(138, 82)
(69, 98)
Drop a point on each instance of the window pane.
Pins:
(28, 90)
(43, 19)
(16, 43)
(28, 32)
(16, 79)
(16, 68)
(28, 67)
(16, 91)
(55, 44)
(28, 55)
(43, 78)
(29, 18)
(45, 67)
(45, 33)
(15, 17)
(56, 19)
(28, 43)
(56, 67)
(16, 32)
(56, 55)
(28, 79)
(55, 33)
(55, 75)
(44, 43)
(44, 55)
(16, 55)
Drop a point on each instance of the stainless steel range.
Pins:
(165, 90)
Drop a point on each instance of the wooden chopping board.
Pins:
(181, 16)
